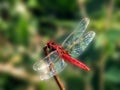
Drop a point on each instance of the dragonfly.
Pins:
(72, 47)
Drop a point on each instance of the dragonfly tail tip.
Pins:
(88, 69)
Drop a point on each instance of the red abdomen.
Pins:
(75, 62)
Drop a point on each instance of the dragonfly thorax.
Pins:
(51, 45)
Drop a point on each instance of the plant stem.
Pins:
(56, 77)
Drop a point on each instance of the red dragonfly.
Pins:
(71, 48)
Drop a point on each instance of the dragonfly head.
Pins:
(51, 44)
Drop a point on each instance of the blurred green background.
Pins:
(24, 24)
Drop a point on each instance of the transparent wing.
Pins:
(78, 32)
(77, 47)
(43, 66)
(77, 41)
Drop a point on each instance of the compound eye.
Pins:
(52, 43)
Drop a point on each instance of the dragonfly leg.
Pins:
(45, 50)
